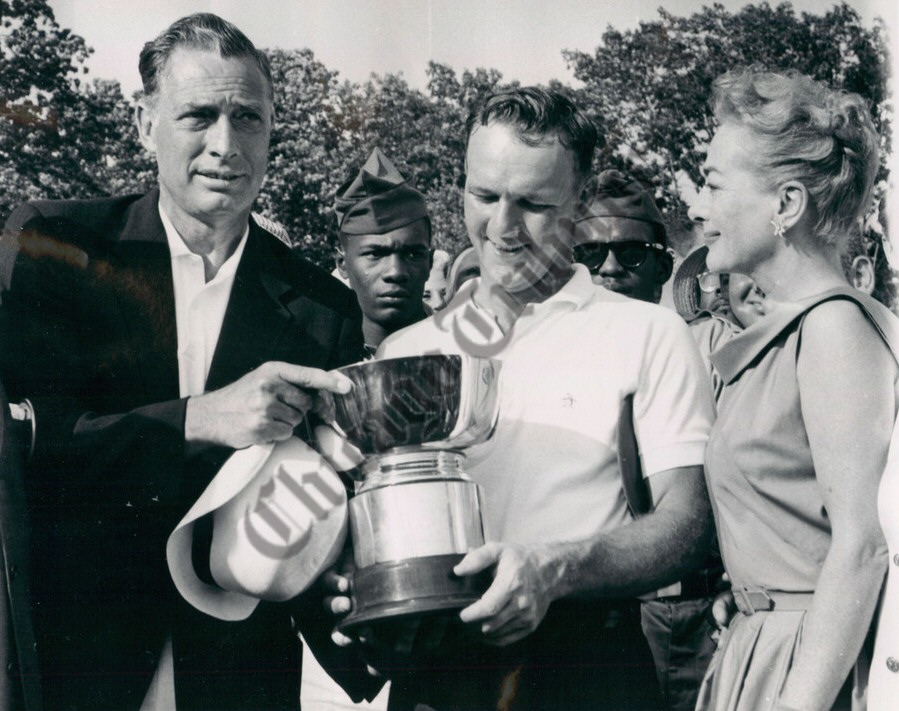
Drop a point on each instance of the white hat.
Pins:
(279, 521)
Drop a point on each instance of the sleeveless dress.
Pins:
(773, 529)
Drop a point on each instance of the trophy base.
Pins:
(410, 588)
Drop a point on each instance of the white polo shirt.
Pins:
(550, 471)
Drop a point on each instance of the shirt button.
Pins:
(892, 664)
(896, 559)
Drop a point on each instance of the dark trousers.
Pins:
(583, 656)
(678, 634)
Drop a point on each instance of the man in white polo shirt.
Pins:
(559, 626)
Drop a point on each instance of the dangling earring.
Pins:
(778, 225)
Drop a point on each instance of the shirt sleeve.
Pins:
(673, 403)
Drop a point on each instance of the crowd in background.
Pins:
(146, 339)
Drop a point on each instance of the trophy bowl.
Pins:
(415, 513)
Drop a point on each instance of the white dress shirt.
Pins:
(199, 307)
(199, 313)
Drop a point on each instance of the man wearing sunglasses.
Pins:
(620, 238)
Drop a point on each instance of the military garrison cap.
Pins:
(377, 198)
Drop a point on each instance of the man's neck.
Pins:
(373, 333)
(506, 307)
(214, 239)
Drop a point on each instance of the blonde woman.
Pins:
(809, 399)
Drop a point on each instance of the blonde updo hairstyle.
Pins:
(807, 132)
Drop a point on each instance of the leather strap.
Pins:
(698, 584)
(636, 492)
(22, 426)
(19, 641)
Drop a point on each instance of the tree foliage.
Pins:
(326, 129)
(306, 151)
(650, 86)
(62, 136)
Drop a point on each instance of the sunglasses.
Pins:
(630, 254)
(709, 281)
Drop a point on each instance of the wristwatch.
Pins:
(24, 425)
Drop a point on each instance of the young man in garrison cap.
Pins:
(620, 237)
(384, 248)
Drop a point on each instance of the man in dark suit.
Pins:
(152, 336)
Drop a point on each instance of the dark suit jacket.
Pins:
(87, 333)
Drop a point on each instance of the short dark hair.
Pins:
(536, 114)
(200, 31)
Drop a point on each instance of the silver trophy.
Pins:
(415, 512)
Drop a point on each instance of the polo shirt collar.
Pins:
(577, 291)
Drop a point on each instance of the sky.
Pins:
(523, 39)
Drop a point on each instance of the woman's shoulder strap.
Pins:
(740, 352)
